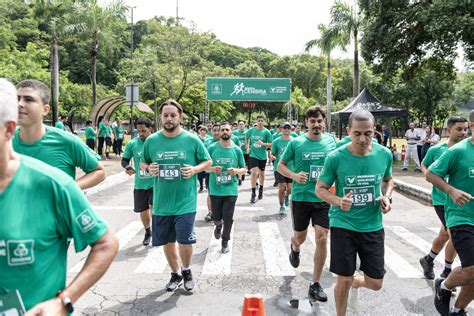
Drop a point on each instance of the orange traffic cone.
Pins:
(332, 189)
(253, 305)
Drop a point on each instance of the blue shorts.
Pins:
(169, 229)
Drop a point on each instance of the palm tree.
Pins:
(327, 42)
(98, 22)
(346, 20)
(54, 14)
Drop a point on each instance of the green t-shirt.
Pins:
(60, 125)
(363, 176)
(308, 156)
(118, 132)
(108, 131)
(457, 163)
(293, 134)
(134, 149)
(347, 140)
(278, 148)
(59, 149)
(90, 133)
(173, 195)
(257, 151)
(209, 141)
(241, 136)
(434, 152)
(224, 184)
(34, 233)
(102, 130)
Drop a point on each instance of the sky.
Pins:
(281, 26)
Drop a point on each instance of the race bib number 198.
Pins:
(170, 172)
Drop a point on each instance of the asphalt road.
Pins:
(257, 263)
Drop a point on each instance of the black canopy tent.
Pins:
(367, 101)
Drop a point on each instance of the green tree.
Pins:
(346, 20)
(249, 69)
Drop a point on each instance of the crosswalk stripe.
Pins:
(400, 266)
(274, 251)
(418, 242)
(124, 236)
(154, 262)
(216, 262)
(434, 229)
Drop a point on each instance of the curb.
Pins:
(109, 182)
(415, 192)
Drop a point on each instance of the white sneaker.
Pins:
(353, 301)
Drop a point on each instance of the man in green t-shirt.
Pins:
(207, 143)
(358, 170)
(61, 124)
(174, 156)
(143, 185)
(90, 135)
(41, 209)
(227, 165)
(257, 140)
(240, 133)
(119, 133)
(457, 129)
(284, 183)
(457, 164)
(101, 133)
(203, 176)
(307, 154)
(109, 138)
(53, 146)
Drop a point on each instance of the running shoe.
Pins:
(260, 194)
(353, 300)
(316, 292)
(282, 210)
(294, 257)
(462, 312)
(417, 170)
(208, 217)
(441, 298)
(253, 199)
(174, 282)
(188, 279)
(218, 231)
(404, 169)
(445, 273)
(287, 200)
(147, 239)
(225, 246)
(427, 268)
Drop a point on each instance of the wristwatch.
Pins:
(66, 302)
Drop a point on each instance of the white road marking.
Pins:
(154, 262)
(216, 262)
(274, 251)
(400, 266)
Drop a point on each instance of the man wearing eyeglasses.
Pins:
(257, 140)
(174, 157)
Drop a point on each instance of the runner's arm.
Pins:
(322, 191)
(283, 169)
(458, 196)
(92, 178)
(389, 184)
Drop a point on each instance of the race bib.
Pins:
(120, 136)
(170, 172)
(224, 178)
(362, 196)
(11, 304)
(314, 172)
(142, 174)
(256, 145)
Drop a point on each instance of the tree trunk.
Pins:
(94, 51)
(54, 65)
(356, 87)
(329, 96)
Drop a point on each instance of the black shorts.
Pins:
(142, 200)
(281, 178)
(346, 244)
(303, 212)
(440, 212)
(246, 157)
(257, 163)
(108, 141)
(90, 143)
(462, 237)
(169, 229)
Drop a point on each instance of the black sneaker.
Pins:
(445, 273)
(275, 184)
(294, 257)
(188, 279)
(225, 246)
(208, 217)
(260, 194)
(441, 298)
(316, 291)
(147, 239)
(427, 268)
(174, 282)
(462, 312)
(218, 231)
(253, 199)
(240, 182)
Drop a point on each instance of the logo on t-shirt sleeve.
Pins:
(86, 221)
(20, 252)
